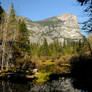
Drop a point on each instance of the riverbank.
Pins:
(44, 67)
(39, 77)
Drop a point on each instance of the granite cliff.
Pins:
(63, 27)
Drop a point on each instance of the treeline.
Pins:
(14, 38)
(54, 49)
(16, 49)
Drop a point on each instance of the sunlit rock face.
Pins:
(63, 27)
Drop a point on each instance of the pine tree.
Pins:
(55, 47)
(12, 16)
(12, 25)
(2, 29)
(8, 37)
(2, 21)
(22, 44)
(45, 48)
(64, 43)
(23, 37)
(1, 14)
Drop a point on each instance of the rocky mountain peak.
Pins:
(62, 27)
(66, 16)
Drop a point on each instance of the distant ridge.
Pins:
(62, 27)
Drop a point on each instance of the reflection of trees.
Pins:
(6, 86)
(60, 85)
(81, 70)
(81, 66)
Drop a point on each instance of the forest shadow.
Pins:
(57, 76)
(81, 72)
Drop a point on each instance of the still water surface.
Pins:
(60, 85)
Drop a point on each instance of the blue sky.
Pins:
(41, 9)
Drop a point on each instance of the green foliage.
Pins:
(12, 25)
(55, 49)
(1, 13)
(21, 49)
(44, 49)
(23, 37)
(12, 13)
(42, 77)
(35, 49)
(85, 47)
(52, 22)
(1, 9)
(22, 45)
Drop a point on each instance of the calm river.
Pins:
(61, 85)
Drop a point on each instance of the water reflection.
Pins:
(81, 72)
(60, 85)
(6, 86)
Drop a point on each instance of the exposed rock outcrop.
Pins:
(63, 27)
